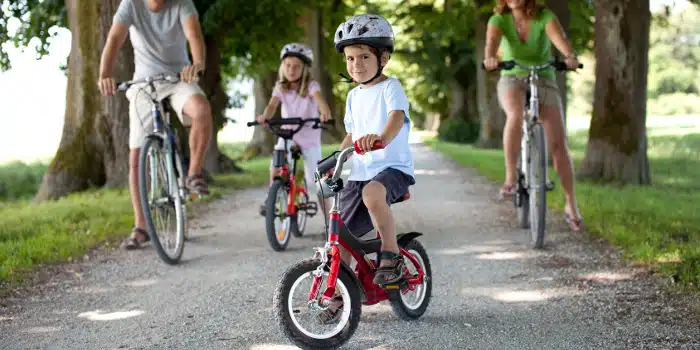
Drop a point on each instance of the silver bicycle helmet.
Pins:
(368, 29)
(298, 50)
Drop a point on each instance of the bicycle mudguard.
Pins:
(403, 239)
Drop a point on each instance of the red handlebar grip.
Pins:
(378, 144)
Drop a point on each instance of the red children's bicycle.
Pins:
(318, 301)
(287, 201)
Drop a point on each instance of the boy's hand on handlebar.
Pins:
(366, 142)
(491, 63)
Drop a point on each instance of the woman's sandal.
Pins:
(392, 273)
(333, 312)
(574, 224)
(131, 243)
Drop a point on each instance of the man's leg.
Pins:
(189, 101)
(140, 122)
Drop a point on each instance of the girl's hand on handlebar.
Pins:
(261, 119)
(571, 62)
(324, 114)
(491, 63)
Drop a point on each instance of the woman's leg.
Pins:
(553, 121)
(512, 99)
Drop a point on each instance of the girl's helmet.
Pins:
(298, 50)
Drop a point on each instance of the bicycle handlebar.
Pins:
(336, 160)
(508, 65)
(125, 85)
(287, 133)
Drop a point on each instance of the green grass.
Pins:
(657, 226)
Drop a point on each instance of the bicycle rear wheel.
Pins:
(163, 203)
(537, 185)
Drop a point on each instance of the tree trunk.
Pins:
(216, 162)
(312, 22)
(617, 147)
(491, 116)
(94, 144)
(561, 10)
(263, 141)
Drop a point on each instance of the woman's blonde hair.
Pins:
(532, 9)
(285, 85)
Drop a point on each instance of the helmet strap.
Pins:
(379, 73)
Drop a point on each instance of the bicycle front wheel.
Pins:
(537, 185)
(161, 200)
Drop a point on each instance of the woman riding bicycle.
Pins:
(300, 97)
(527, 29)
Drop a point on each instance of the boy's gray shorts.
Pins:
(353, 211)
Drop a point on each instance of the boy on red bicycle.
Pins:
(377, 109)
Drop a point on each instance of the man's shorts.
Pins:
(140, 108)
(547, 89)
(353, 211)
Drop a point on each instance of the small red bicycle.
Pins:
(331, 301)
(287, 200)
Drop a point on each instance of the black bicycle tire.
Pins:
(143, 194)
(270, 205)
(538, 143)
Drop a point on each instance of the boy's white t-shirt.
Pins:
(367, 112)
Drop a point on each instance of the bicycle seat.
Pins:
(405, 197)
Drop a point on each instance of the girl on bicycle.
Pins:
(300, 97)
(528, 30)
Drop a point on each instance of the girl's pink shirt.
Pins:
(295, 106)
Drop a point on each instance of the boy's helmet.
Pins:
(368, 29)
(298, 50)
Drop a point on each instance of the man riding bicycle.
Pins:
(160, 31)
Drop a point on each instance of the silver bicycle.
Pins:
(530, 198)
(162, 169)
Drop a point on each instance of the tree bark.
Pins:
(94, 144)
(312, 22)
(263, 141)
(561, 10)
(617, 143)
(491, 116)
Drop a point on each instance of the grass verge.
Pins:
(657, 226)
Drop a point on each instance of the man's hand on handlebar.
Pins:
(107, 86)
(572, 62)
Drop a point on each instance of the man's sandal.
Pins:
(392, 273)
(131, 243)
(196, 184)
(333, 312)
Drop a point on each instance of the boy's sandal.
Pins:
(262, 209)
(332, 313)
(131, 242)
(197, 184)
(392, 273)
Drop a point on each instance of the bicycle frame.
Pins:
(294, 189)
(339, 235)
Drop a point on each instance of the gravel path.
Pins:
(490, 290)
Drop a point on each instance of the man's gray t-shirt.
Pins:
(158, 38)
